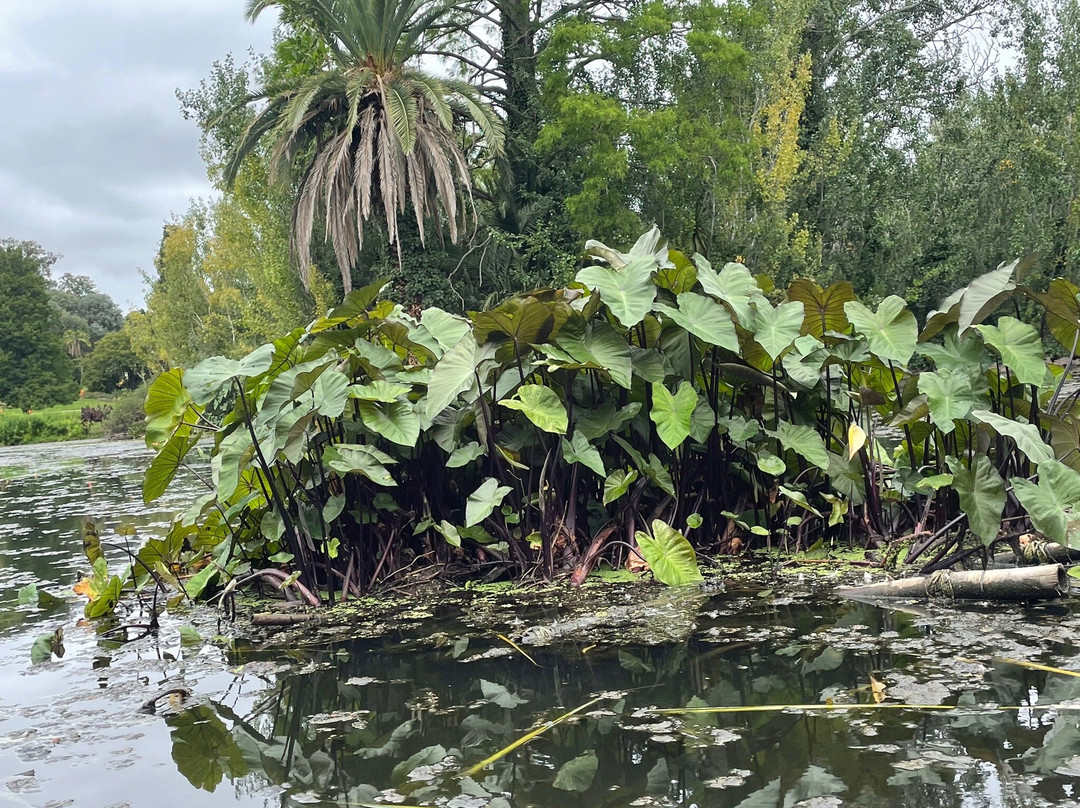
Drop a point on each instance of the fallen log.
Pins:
(1038, 552)
(283, 618)
(1022, 583)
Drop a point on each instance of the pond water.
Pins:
(400, 718)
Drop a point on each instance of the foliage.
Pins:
(375, 437)
(18, 428)
(113, 364)
(34, 369)
(84, 309)
(127, 418)
(364, 129)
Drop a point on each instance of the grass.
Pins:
(56, 423)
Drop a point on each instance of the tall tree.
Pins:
(368, 129)
(84, 308)
(34, 369)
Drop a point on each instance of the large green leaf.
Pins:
(680, 276)
(396, 421)
(289, 386)
(166, 463)
(775, 329)
(346, 458)
(939, 319)
(1062, 312)
(579, 450)
(949, 395)
(804, 441)
(734, 285)
(804, 362)
(207, 379)
(673, 414)
(210, 377)
(592, 345)
(453, 375)
(957, 353)
(353, 307)
(824, 307)
(484, 500)
(525, 320)
(703, 420)
(915, 410)
(1027, 437)
(704, 318)
(610, 352)
(541, 405)
(1064, 438)
(739, 429)
(167, 406)
(984, 294)
(378, 390)
(463, 455)
(602, 421)
(617, 484)
(892, 331)
(330, 393)
(1020, 347)
(1053, 502)
(447, 329)
(982, 495)
(628, 292)
(233, 455)
(669, 555)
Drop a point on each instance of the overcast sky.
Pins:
(94, 153)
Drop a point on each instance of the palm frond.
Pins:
(434, 93)
(402, 109)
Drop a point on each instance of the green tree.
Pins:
(34, 369)
(83, 308)
(113, 364)
(366, 129)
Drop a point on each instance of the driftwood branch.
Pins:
(1023, 584)
(283, 618)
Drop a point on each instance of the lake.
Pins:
(400, 718)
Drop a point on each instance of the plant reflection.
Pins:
(401, 721)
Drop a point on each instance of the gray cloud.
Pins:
(94, 154)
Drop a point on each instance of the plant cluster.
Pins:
(655, 405)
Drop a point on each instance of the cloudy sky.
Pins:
(94, 153)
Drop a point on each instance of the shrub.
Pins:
(18, 428)
(127, 418)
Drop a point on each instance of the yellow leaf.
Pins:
(877, 687)
(856, 439)
(85, 587)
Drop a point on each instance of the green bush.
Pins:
(127, 419)
(18, 427)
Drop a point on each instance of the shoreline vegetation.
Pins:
(655, 408)
(117, 416)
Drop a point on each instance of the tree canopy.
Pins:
(34, 369)
(903, 147)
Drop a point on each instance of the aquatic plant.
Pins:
(654, 406)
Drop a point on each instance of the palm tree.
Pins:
(369, 129)
(75, 342)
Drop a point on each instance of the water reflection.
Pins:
(399, 722)
(49, 490)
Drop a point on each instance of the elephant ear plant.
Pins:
(658, 406)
